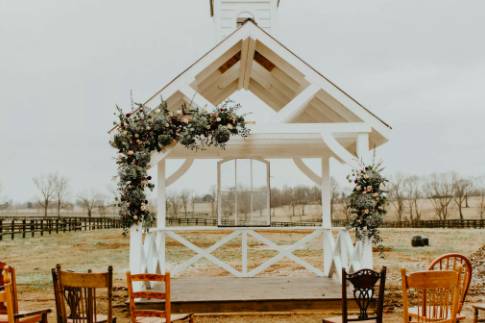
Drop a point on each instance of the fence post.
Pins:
(32, 228)
(12, 229)
(24, 227)
(42, 227)
(1, 229)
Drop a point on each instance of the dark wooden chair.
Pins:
(8, 277)
(76, 296)
(152, 316)
(364, 284)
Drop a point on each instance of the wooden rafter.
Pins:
(230, 62)
(266, 63)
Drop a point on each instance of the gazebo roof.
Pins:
(307, 105)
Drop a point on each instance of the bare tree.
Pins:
(479, 191)
(413, 193)
(4, 204)
(439, 189)
(60, 191)
(173, 202)
(396, 195)
(334, 191)
(461, 188)
(89, 201)
(46, 185)
(184, 197)
(481, 203)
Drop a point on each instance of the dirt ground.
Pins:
(34, 258)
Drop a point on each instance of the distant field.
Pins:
(300, 213)
(33, 259)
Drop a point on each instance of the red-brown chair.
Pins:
(8, 299)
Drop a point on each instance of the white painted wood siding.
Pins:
(226, 13)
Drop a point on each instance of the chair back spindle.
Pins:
(364, 283)
(77, 298)
(435, 295)
(163, 279)
(451, 261)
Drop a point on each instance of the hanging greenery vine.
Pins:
(368, 200)
(139, 133)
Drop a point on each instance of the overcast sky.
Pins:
(419, 65)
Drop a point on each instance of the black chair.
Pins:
(364, 282)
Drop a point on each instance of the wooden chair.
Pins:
(476, 309)
(8, 300)
(436, 295)
(364, 282)
(451, 261)
(152, 316)
(8, 273)
(77, 291)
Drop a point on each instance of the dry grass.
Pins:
(33, 259)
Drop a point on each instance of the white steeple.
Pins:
(227, 14)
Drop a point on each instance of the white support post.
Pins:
(326, 193)
(161, 195)
(136, 248)
(363, 147)
(244, 252)
(367, 260)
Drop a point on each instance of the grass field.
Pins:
(33, 259)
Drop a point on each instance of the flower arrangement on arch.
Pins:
(139, 133)
(368, 200)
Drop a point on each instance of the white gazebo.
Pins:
(313, 118)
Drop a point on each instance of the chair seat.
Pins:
(25, 319)
(338, 319)
(173, 318)
(480, 306)
(413, 311)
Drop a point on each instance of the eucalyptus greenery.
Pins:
(137, 134)
(368, 201)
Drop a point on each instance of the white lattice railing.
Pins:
(149, 255)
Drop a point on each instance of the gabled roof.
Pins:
(304, 100)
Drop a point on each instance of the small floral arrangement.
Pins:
(368, 200)
(143, 131)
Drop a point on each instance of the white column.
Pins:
(136, 248)
(326, 193)
(363, 148)
(161, 195)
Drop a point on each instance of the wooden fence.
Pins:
(455, 223)
(11, 227)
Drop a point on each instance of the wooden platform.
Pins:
(272, 294)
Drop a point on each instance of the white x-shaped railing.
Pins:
(336, 253)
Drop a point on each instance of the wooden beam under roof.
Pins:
(249, 65)
(214, 66)
(261, 93)
(260, 71)
(336, 106)
(230, 62)
(266, 63)
(281, 63)
(281, 96)
(244, 59)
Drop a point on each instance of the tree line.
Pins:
(53, 194)
(442, 189)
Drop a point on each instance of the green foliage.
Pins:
(139, 133)
(368, 201)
